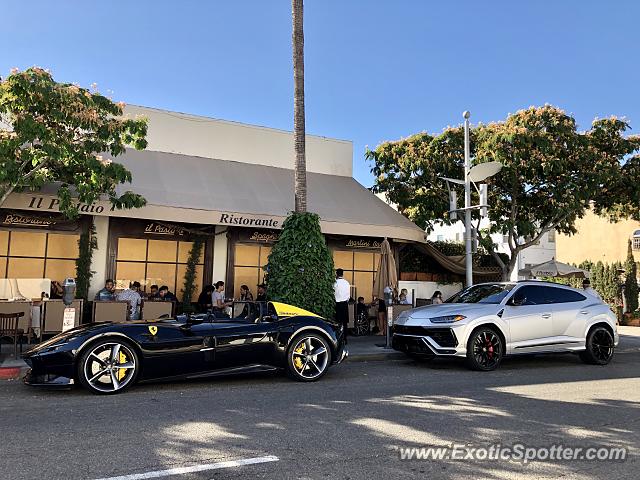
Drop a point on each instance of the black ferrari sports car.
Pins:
(110, 357)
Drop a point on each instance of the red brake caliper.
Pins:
(489, 348)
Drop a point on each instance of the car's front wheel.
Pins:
(600, 347)
(485, 349)
(108, 366)
(308, 357)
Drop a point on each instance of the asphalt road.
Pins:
(349, 425)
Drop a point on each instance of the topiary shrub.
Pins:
(87, 243)
(189, 288)
(300, 267)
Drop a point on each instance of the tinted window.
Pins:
(562, 295)
(531, 295)
(482, 293)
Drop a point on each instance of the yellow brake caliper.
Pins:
(297, 361)
(122, 358)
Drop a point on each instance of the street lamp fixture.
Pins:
(472, 176)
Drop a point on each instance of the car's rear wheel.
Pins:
(485, 349)
(600, 347)
(308, 357)
(108, 366)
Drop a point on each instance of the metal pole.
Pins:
(467, 202)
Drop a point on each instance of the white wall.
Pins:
(99, 259)
(220, 245)
(426, 289)
(175, 132)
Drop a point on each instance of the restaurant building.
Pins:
(226, 182)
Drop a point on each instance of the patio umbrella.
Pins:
(387, 276)
(553, 268)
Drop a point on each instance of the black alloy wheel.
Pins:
(599, 347)
(308, 357)
(485, 349)
(108, 366)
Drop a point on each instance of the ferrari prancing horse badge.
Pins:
(153, 330)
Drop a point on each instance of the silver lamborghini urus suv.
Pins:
(487, 321)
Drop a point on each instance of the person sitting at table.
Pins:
(107, 293)
(218, 301)
(362, 309)
(204, 299)
(436, 299)
(164, 295)
(153, 293)
(262, 293)
(245, 294)
(132, 296)
(402, 299)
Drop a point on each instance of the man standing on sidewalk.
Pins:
(342, 291)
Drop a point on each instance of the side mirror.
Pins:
(517, 301)
(269, 318)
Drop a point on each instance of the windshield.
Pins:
(484, 293)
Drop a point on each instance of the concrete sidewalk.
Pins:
(370, 348)
(10, 367)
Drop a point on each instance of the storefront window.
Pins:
(38, 254)
(155, 262)
(249, 260)
(359, 270)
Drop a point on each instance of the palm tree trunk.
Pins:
(298, 107)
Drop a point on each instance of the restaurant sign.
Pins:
(53, 221)
(258, 236)
(155, 228)
(37, 202)
(243, 220)
(363, 243)
(27, 220)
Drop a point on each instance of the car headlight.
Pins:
(447, 319)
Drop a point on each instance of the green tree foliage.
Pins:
(552, 173)
(300, 267)
(87, 243)
(603, 277)
(60, 133)
(631, 281)
(597, 276)
(189, 288)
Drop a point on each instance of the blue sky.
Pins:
(375, 69)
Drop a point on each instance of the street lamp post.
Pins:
(472, 176)
(468, 232)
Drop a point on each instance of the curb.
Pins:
(375, 357)
(12, 373)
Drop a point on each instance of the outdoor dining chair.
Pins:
(9, 329)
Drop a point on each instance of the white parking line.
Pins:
(195, 468)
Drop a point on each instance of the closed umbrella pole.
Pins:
(386, 278)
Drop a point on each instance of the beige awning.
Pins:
(182, 188)
(455, 264)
